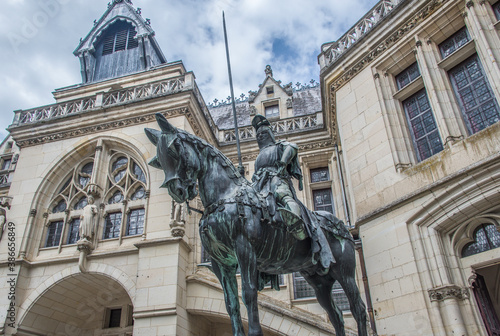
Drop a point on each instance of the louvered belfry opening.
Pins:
(119, 36)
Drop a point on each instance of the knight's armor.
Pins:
(274, 167)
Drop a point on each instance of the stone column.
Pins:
(473, 16)
(448, 298)
(439, 98)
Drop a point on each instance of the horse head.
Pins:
(177, 158)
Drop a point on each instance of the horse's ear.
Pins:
(155, 163)
(165, 126)
(153, 135)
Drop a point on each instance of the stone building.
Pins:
(412, 90)
(399, 139)
(100, 249)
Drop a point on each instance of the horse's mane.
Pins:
(200, 145)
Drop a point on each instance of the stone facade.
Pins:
(419, 206)
(412, 172)
(139, 268)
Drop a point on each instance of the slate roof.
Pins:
(305, 101)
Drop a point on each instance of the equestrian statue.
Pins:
(259, 226)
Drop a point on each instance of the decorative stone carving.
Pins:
(448, 292)
(3, 221)
(374, 53)
(289, 103)
(251, 96)
(288, 89)
(268, 71)
(177, 222)
(253, 110)
(108, 126)
(88, 221)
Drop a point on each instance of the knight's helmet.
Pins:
(259, 120)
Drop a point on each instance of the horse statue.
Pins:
(235, 230)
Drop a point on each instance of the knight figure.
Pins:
(275, 165)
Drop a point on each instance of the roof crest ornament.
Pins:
(268, 71)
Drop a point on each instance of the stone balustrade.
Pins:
(332, 51)
(100, 100)
(279, 127)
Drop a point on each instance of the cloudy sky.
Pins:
(39, 36)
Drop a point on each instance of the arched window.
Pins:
(486, 237)
(117, 183)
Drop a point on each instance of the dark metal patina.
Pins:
(241, 227)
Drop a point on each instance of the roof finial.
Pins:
(269, 71)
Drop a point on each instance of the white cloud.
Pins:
(37, 57)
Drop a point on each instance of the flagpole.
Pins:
(241, 169)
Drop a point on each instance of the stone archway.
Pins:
(80, 304)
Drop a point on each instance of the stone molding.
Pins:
(109, 126)
(448, 292)
(375, 52)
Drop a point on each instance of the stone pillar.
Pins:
(439, 98)
(159, 292)
(448, 298)
(473, 16)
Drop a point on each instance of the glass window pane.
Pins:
(423, 127)
(54, 232)
(320, 175)
(496, 10)
(112, 225)
(139, 193)
(486, 237)
(272, 111)
(114, 318)
(116, 198)
(407, 76)
(301, 288)
(74, 234)
(60, 207)
(454, 42)
(135, 222)
(139, 174)
(6, 164)
(475, 97)
(85, 174)
(322, 199)
(82, 202)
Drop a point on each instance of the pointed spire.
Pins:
(121, 29)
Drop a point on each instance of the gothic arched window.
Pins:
(486, 237)
(117, 183)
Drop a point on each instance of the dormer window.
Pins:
(119, 36)
(272, 111)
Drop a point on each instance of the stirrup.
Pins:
(294, 224)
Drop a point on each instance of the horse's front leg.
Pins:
(249, 283)
(227, 278)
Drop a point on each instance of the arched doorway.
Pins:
(80, 305)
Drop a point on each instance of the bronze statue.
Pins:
(276, 164)
(240, 227)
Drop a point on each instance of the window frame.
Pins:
(129, 216)
(71, 225)
(463, 111)
(410, 125)
(71, 192)
(59, 228)
(275, 109)
(114, 225)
